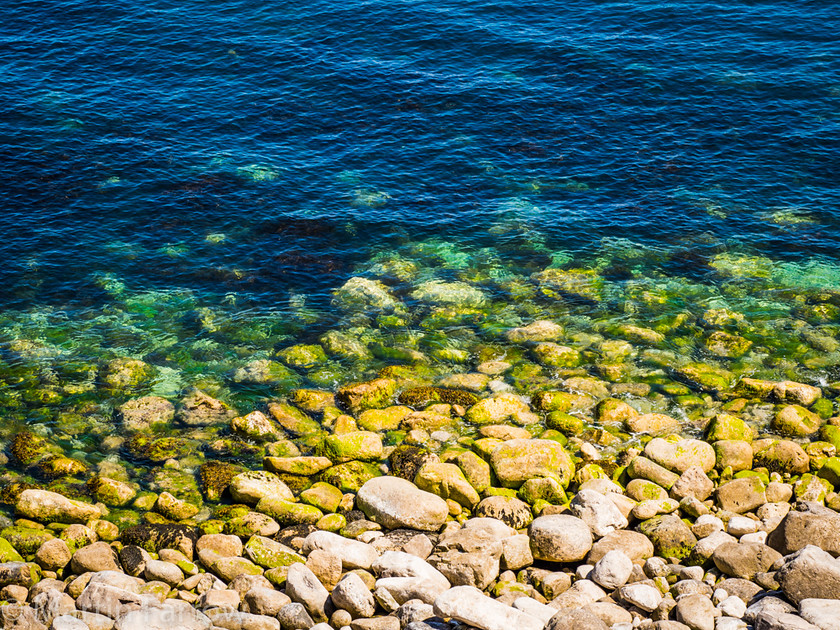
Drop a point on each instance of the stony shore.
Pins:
(517, 527)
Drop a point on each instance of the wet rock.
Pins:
(516, 461)
(501, 408)
(796, 393)
(153, 537)
(255, 426)
(294, 421)
(140, 414)
(51, 507)
(375, 394)
(796, 421)
(393, 503)
(355, 445)
(540, 330)
(199, 409)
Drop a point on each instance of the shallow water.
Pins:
(189, 183)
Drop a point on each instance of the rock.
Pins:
(501, 408)
(796, 421)
(797, 393)
(158, 570)
(448, 482)
(354, 445)
(173, 508)
(641, 596)
(744, 560)
(352, 595)
(582, 593)
(295, 422)
(634, 545)
(139, 414)
(693, 483)
(230, 568)
(260, 600)
(510, 510)
(407, 577)
(108, 600)
(783, 621)
(735, 454)
(294, 616)
(682, 455)
(363, 294)
(288, 512)
(782, 456)
(823, 613)
(769, 605)
(375, 394)
(540, 330)
(198, 409)
(741, 495)
(53, 555)
(516, 461)
(252, 486)
(643, 468)
(580, 619)
(652, 423)
(799, 529)
(244, 621)
(393, 503)
(728, 427)
(255, 426)
(598, 512)
(353, 554)
(51, 507)
(469, 556)
(560, 538)
(671, 537)
(166, 617)
(19, 617)
(303, 587)
(612, 570)
(220, 598)
(696, 611)
(99, 556)
(469, 605)
(810, 573)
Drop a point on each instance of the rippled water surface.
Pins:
(189, 183)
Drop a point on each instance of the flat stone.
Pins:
(469, 605)
(810, 573)
(394, 503)
(823, 613)
(51, 507)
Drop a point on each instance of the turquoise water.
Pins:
(190, 184)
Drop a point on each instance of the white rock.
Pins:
(732, 607)
(66, 622)
(642, 596)
(729, 623)
(583, 570)
(534, 608)
(598, 512)
(165, 617)
(560, 538)
(740, 525)
(613, 570)
(580, 594)
(757, 537)
(352, 595)
(353, 554)
(405, 577)
(823, 613)
(303, 587)
(469, 605)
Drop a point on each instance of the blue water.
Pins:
(312, 134)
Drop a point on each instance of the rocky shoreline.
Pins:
(518, 527)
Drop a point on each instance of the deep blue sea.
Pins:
(188, 183)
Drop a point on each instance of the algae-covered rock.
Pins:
(110, 491)
(199, 409)
(796, 393)
(500, 408)
(540, 330)
(554, 355)
(143, 447)
(292, 419)
(253, 485)
(614, 411)
(723, 344)
(26, 448)
(312, 400)
(215, 477)
(323, 496)
(754, 388)
(59, 466)
(475, 469)
(255, 426)
(448, 482)
(26, 540)
(406, 459)
(449, 294)
(302, 356)
(181, 484)
(362, 294)
(350, 476)
(375, 394)
(174, 508)
(358, 445)
(387, 419)
(796, 421)
(725, 426)
(564, 422)
(704, 377)
(271, 554)
(641, 335)
(126, 375)
(671, 537)
(305, 466)
(340, 344)
(141, 414)
(543, 489)
(286, 512)
(420, 397)
(561, 401)
(516, 461)
(578, 284)
(264, 372)
(781, 456)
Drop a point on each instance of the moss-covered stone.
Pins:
(142, 447)
(405, 460)
(475, 469)
(111, 492)
(375, 394)
(56, 467)
(726, 345)
(331, 523)
(214, 478)
(551, 354)
(796, 421)
(704, 377)
(448, 482)
(287, 512)
(576, 284)
(613, 411)
(292, 419)
(26, 448)
(725, 426)
(312, 400)
(516, 461)
(561, 401)
(387, 419)
(500, 408)
(302, 356)
(544, 489)
(823, 407)
(358, 445)
(178, 483)
(350, 476)
(8, 553)
(421, 397)
(753, 388)
(564, 422)
(26, 540)
(671, 537)
(782, 456)
(323, 496)
(126, 375)
(265, 372)
(271, 554)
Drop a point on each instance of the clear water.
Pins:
(188, 183)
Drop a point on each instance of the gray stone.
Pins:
(19, 617)
(560, 538)
(303, 587)
(353, 554)
(783, 621)
(823, 613)
(294, 617)
(394, 503)
(352, 595)
(810, 573)
(818, 526)
(612, 571)
(597, 511)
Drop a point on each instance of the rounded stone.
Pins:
(393, 503)
(560, 538)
